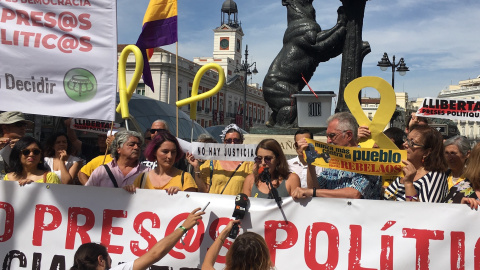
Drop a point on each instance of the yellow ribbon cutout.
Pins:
(196, 82)
(125, 93)
(384, 113)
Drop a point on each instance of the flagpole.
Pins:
(176, 76)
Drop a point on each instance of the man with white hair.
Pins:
(158, 125)
(342, 130)
(125, 166)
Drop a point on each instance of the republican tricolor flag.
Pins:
(159, 29)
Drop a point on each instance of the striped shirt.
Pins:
(432, 187)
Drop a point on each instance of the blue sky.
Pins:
(439, 39)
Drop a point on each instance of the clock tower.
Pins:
(228, 36)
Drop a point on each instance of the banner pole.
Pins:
(176, 76)
(106, 150)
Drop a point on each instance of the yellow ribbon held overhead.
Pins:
(384, 113)
(196, 82)
(125, 93)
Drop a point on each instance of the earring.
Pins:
(423, 159)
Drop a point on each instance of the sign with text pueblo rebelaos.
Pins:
(59, 57)
(454, 109)
(220, 151)
(41, 226)
(372, 161)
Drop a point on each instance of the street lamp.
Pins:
(385, 63)
(245, 68)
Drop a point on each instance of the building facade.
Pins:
(228, 105)
(466, 89)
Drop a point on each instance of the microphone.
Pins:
(264, 175)
(241, 208)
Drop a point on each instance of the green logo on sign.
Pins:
(80, 84)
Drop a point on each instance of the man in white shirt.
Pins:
(298, 164)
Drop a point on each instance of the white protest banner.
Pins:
(59, 57)
(220, 151)
(454, 109)
(95, 126)
(42, 225)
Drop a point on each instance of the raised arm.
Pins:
(162, 247)
(214, 249)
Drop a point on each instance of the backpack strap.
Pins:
(183, 179)
(110, 174)
(143, 180)
(211, 175)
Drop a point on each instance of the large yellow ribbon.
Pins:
(384, 113)
(125, 93)
(196, 82)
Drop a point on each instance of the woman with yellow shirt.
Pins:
(26, 164)
(222, 176)
(164, 149)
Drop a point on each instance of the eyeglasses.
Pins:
(155, 130)
(412, 144)
(234, 140)
(27, 152)
(267, 159)
(332, 136)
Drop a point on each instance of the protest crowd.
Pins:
(435, 171)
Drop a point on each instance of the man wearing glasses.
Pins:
(12, 127)
(298, 164)
(342, 131)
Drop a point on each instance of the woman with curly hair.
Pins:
(270, 157)
(26, 164)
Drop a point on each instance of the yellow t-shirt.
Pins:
(95, 163)
(220, 177)
(52, 178)
(176, 181)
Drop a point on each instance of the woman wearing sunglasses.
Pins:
(270, 157)
(222, 176)
(26, 164)
(425, 178)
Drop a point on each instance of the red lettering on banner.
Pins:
(50, 21)
(39, 225)
(22, 17)
(422, 246)
(271, 227)
(355, 253)
(190, 246)
(476, 252)
(7, 14)
(386, 255)
(457, 251)
(137, 225)
(85, 23)
(9, 221)
(82, 230)
(311, 246)
(108, 229)
(214, 231)
(36, 17)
